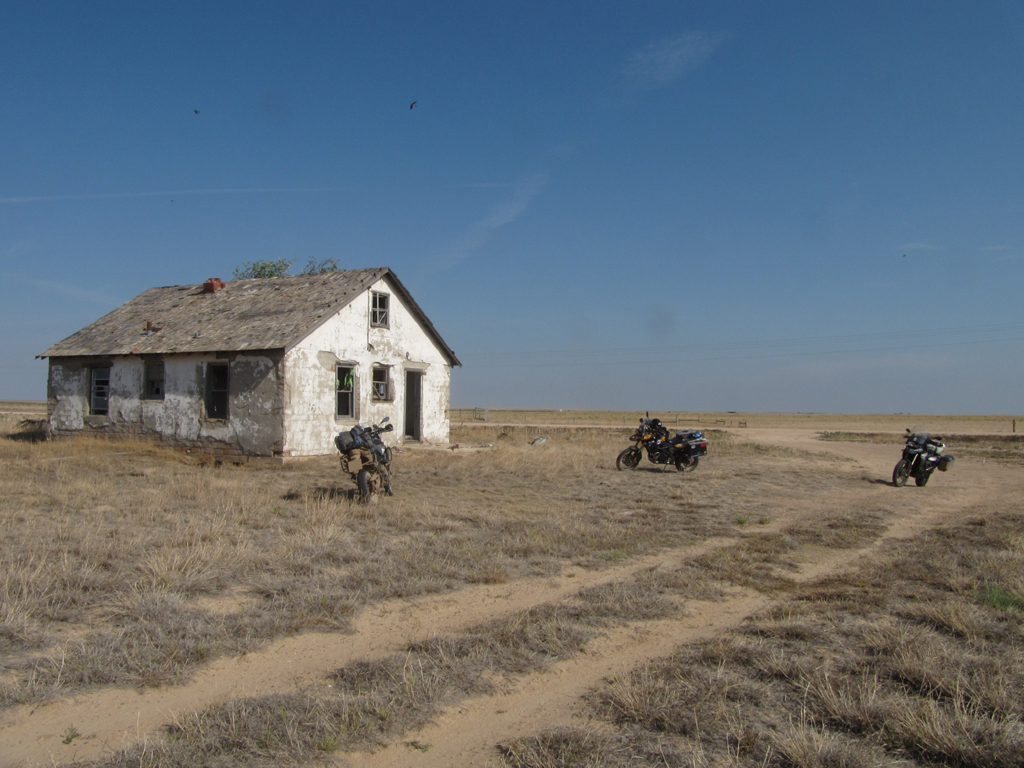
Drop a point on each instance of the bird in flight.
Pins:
(412, 105)
(196, 111)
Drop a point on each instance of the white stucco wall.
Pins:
(310, 395)
(253, 425)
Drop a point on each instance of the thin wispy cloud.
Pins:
(500, 215)
(665, 61)
(164, 193)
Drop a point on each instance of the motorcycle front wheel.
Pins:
(922, 480)
(686, 463)
(628, 459)
(901, 473)
(367, 485)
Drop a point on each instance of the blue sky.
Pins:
(746, 206)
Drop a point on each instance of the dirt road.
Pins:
(467, 735)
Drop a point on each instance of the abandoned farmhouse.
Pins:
(263, 367)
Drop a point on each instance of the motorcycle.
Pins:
(365, 457)
(684, 449)
(922, 455)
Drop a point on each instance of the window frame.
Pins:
(380, 316)
(350, 393)
(379, 396)
(212, 412)
(94, 387)
(147, 381)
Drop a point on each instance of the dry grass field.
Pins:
(517, 605)
(943, 424)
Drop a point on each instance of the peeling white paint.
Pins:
(310, 399)
(279, 402)
(253, 425)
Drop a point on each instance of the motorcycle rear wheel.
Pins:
(900, 473)
(628, 459)
(922, 480)
(687, 463)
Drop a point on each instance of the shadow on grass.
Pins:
(31, 431)
(323, 492)
(656, 468)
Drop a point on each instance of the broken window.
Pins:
(216, 391)
(379, 313)
(153, 387)
(99, 391)
(381, 382)
(346, 379)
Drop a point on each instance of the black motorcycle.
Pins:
(365, 457)
(684, 449)
(922, 455)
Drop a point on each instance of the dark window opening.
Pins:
(216, 391)
(153, 388)
(381, 383)
(99, 391)
(346, 392)
(379, 313)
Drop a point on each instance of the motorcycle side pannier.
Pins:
(944, 463)
(697, 442)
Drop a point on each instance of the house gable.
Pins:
(376, 357)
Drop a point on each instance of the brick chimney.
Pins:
(213, 285)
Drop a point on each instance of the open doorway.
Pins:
(413, 404)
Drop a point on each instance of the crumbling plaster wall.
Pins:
(253, 426)
(310, 395)
(67, 394)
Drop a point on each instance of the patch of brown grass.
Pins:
(586, 748)
(839, 530)
(799, 745)
(896, 666)
(757, 562)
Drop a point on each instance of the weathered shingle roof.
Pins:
(270, 313)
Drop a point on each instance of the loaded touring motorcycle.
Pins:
(365, 457)
(684, 449)
(922, 455)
